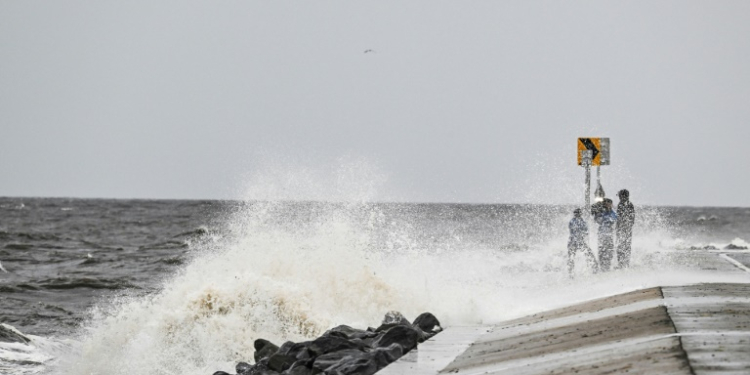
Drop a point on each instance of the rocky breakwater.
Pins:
(342, 350)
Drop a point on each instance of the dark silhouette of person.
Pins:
(606, 218)
(625, 222)
(578, 240)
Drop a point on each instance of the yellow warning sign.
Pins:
(599, 148)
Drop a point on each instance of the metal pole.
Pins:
(586, 156)
(588, 188)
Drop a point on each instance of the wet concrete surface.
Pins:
(701, 328)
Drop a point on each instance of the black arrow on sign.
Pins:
(590, 146)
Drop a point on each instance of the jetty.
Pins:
(693, 329)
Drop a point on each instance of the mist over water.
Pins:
(278, 267)
(289, 271)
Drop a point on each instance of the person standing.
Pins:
(625, 222)
(606, 218)
(578, 240)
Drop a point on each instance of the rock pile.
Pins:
(731, 246)
(707, 247)
(342, 350)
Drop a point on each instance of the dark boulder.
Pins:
(264, 349)
(387, 355)
(707, 247)
(732, 246)
(366, 364)
(359, 366)
(297, 350)
(323, 362)
(327, 344)
(304, 354)
(349, 333)
(285, 347)
(386, 327)
(427, 323)
(365, 342)
(243, 368)
(280, 362)
(342, 350)
(298, 370)
(260, 369)
(406, 336)
(382, 357)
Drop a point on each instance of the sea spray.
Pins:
(472, 264)
(266, 280)
(290, 270)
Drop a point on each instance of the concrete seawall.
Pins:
(701, 328)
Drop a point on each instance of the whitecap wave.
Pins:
(272, 280)
(24, 354)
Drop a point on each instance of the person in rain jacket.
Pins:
(579, 240)
(625, 221)
(607, 219)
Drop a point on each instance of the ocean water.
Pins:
(185, 287)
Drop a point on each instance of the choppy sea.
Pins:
(92, 286)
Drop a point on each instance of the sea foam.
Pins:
(281, 279)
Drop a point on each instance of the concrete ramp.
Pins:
(693, 329)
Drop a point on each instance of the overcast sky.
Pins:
(458, 101)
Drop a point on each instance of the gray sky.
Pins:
(477, 101)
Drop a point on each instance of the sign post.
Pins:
(586, 161)
(593, 151)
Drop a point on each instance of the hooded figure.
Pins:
(579, 240)
(607, 220)
(626, 219)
